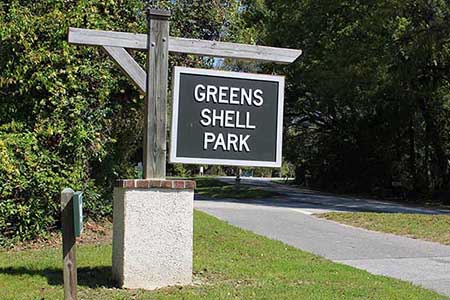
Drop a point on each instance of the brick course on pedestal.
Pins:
(155, 183)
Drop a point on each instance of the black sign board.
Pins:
(226, 118)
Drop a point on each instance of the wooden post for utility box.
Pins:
(68, 236)
(156, 94)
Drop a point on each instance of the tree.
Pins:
(368, 102)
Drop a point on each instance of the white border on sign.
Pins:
(173, 158)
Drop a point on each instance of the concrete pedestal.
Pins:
(152, 233)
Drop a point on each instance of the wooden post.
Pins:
(68, 236)
(238, 178)
(156, 94)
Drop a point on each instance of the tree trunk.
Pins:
(439, 162)
(412, 154)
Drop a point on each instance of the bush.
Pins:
(28, 184)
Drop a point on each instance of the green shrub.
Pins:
(28, 185)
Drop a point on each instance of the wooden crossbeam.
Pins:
(184, 45)
(233, 50)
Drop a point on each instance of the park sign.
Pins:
(153, 81)
(226, 118)
(219, 118)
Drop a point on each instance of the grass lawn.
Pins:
(229, 263)
(211, 187)
(434, 228)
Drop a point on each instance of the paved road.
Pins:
(310, 202)
(289, 220)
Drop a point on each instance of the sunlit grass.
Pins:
(229, 263)
(434, 228)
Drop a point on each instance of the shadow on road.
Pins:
(310, 200)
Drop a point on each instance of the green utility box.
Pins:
(78, 213)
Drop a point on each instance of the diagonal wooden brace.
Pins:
(127, 63)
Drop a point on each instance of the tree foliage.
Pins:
(68, 116)
(368, 103)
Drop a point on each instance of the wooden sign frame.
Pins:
(153, 81)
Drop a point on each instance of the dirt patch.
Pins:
(99, 232)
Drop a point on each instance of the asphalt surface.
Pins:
(289, 219)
